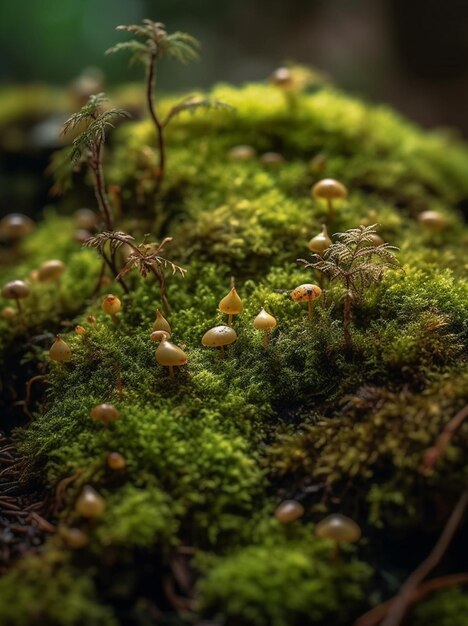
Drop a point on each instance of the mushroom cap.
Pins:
(16, 226)
(60, 351)
(242, 153)
(289, 511)
(81, 235)
(15, 290)
(432, 220)
(306, 293)
(91, 319)
(90, 503)
(320, 242)
(376, 240)
(338, 528)
(111, 304)
(272, 158)
(161, 323)
(219, 336)
(85, 219)
(168, 354)
(50, 270)
(116, 461)
(9, 312)
(104, 413)
(80, 330)
(231, 304)
(329, 189)
(159, 335)
(74, 537)
(281, 77)
(264, 321)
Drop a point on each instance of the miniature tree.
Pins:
(156, 45)
(92, 121)
(357, 263)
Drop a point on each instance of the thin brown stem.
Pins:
(331, 211)
(171, 371)
(434, 453)
(310, 309)
(266, 339)
(403, 599)
(95, 163)
(150, 88)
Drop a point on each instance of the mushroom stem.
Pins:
(21, 319)
(222, 352)
(331, 211)
(230, 319)
(336, 554)
(171, 371)
(115, 319)
(266, 339)
(310, 309)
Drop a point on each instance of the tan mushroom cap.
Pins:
(272, 158)
(231, 304)
(74, 537)
(320, 242)
(115, 461)
(15, 290)
(90, 503)
(282, 77)
(432, 220)
(85, 219)
(329, 189)
(60, 351)
(306, 293)
(338, 528)
(242, 153)
(289, 511)
(9, 312)
(159, 335)
(111, 304)
(169, 354)
(50, 270)
(16, 226)
(104, 413)
(161, 323)
(219, 336)
(264, 321)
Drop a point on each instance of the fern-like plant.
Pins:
(357, 263)
(152, 43)
(145, 257)
(92, 122)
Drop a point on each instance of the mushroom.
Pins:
(105, 413)
(282, 77)
(85, 219)
(272, 158)
(60, 351)
(320, 242)
(16, 290)
(432, 221)
(289, 511)
(80, 330)
(170, 355)
(15, 226)
(50, 271)
(161, 323)
(111, 306)
(231, 305)
(90, 503)
(8, 312)
(91, 319)
(339, 529)
(307, 293)
(115, 461)
(266, 322)
(218, 337)
(241, 153)
(74, 537)
(159, 335)
(376, 240)
(329, 189)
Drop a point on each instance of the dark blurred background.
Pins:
(410, 53)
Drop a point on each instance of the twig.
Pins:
(401, 602)
(27, 399)
(435, 452)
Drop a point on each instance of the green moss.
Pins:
(446, 608)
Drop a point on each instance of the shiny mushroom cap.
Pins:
(432, 220)
(289, 511)
(159, 335)
(231, 304)
(320, 242)
(16, 226)
(161, 323)
(264, 321)
(50, 270)
(281, 77)
(60, 351)
(338, 528)
(90, 503)
(219, 336)
(241, 153)
(15, 290)
(115, 461)
(85, 219)
(104, 413)
(329, 189)
(306, 293)
(169, 354)
(111, 304)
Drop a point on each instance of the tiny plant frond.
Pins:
(88, 112)
(192, 104)
(138, 51)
